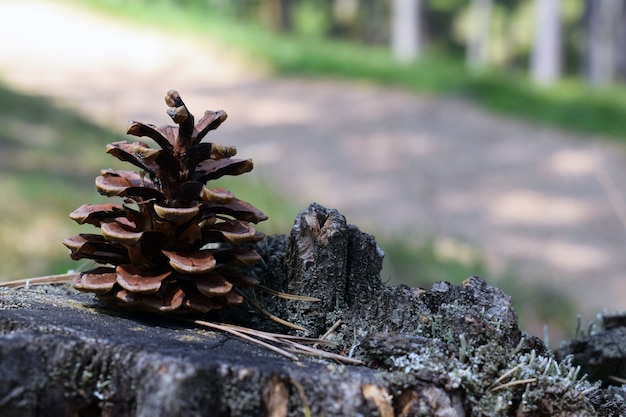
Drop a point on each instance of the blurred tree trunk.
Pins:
(242, 9)
(602, 20)
(405, 30)
(621, 46)
(286, 14)
(279, 14)
(546, 54)
(477, 53)
(373, 21)
(341, 17)
(329, 13)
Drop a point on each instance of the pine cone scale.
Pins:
(140, 280)
(213, 169)
(167, 301)
(210, 121)
(197, 262)
(163, 138)
(100, 280)
(93, 214)
(177, 215)
(213, 285)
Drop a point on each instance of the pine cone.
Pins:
(174, 245)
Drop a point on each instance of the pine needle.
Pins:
(43, 280)
(328, 333)
(617, 379)
(284, 336)
(270, 315)
(234, 332)
(506, 375)
(311, 351)
(289, 347)
(513, 383)
(287, 295)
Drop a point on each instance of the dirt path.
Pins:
(392, 161)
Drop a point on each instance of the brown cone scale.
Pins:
(174, 245)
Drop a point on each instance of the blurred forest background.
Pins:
(551, 61)
(555, 62)
(546, 39)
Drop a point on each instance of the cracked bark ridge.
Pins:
(333, 261)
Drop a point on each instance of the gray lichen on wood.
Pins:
(447, 351)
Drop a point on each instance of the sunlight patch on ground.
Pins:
(324, 188)
(572, 162)
(262, 153)
(573, 256)
(381, 152)
(453, 250)
(64, 55)
(275, 111)
(566, 256)
(531, 208)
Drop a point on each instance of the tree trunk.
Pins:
(477, 53)
(278, 14)
(405, 30)
(603, 21)
(546, 55)
(341, 17)
(286, 15)
(621, 46)
(373, 22)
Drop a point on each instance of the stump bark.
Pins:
(444, 351)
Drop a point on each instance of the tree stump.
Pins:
(444, 351)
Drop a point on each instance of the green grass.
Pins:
(48, 159)
(569, 104)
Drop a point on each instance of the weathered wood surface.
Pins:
(446, 351)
